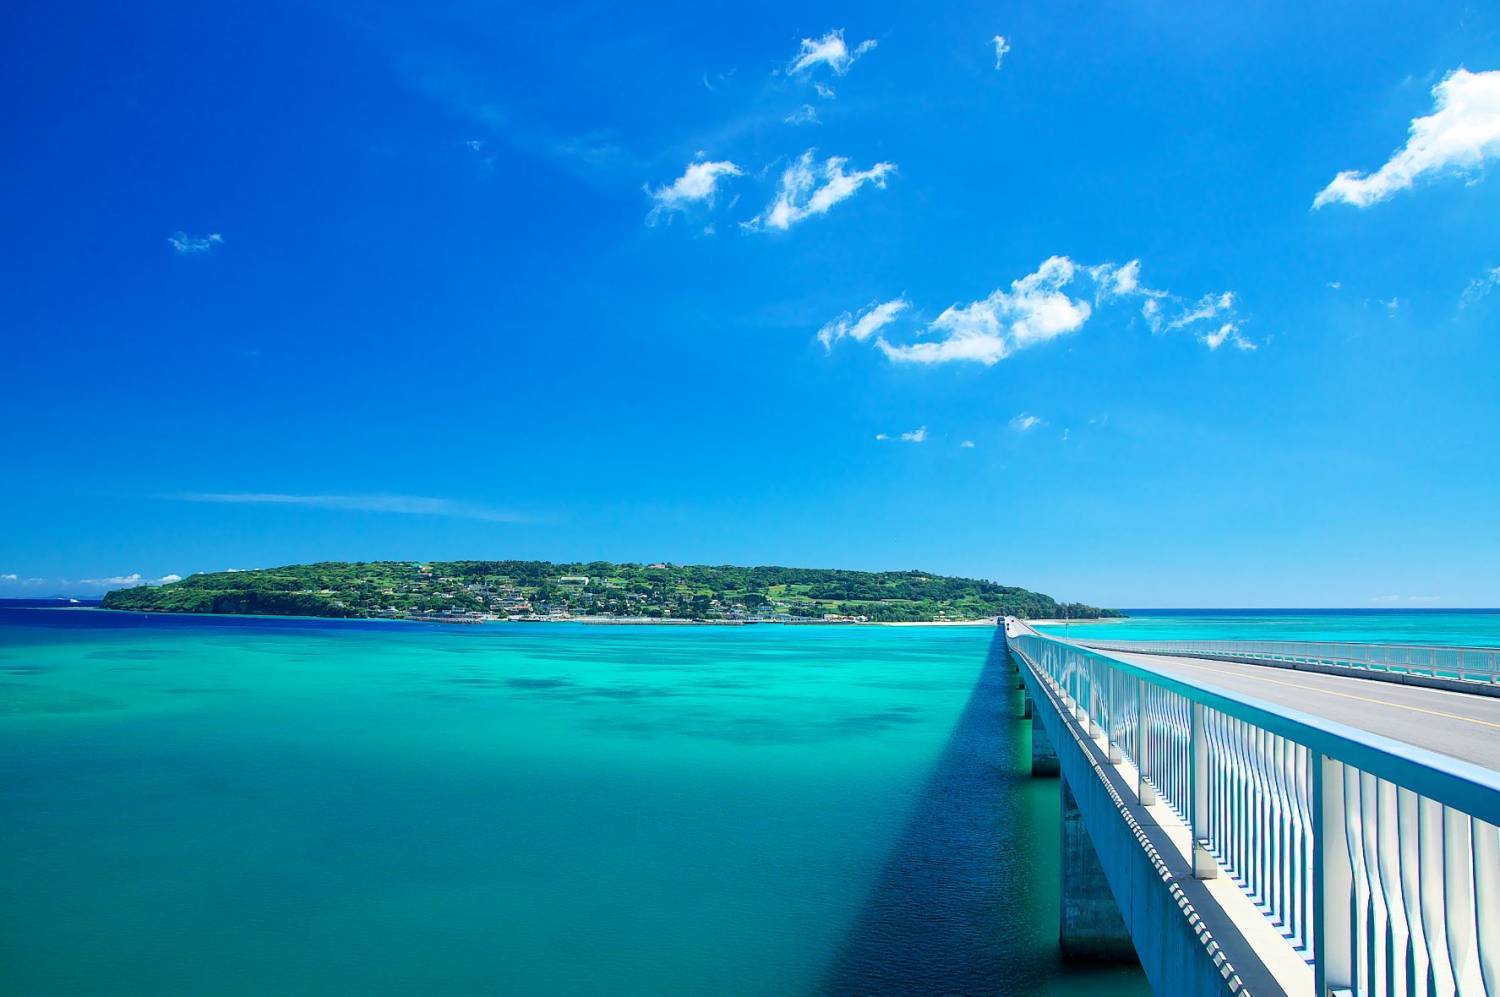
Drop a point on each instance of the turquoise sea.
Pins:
(269, 806)
(1471, 627)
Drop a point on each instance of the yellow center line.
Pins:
(1348, 695)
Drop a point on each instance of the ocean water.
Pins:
(1471, 627)
(257, 806)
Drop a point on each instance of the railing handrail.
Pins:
(1451, 781)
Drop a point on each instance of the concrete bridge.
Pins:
(1274, 817)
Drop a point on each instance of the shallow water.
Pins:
(241, 806)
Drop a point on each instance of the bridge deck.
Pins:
(1456, 724)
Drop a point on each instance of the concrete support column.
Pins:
(1091, 928)
(1043, 753)
(1026, 707)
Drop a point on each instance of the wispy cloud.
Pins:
(191, 245)
(809, 189)
(804, 115)
(135, 578)
(698, 184)
(966, 445)
(1461, 133)
(1393, 599)
(861, 326)
(830, 51)
(83, 586)
(1025, 422)
(1001, 47)
(1479, 287)
(1056, 300)
(918, 435)
(415, 505)
(824, 91)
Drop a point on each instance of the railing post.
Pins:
(1204, 866)
(1332, 880)
(1143, 788)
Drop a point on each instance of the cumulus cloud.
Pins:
(1001, 47)
(415, 505)
(830, 51)
(1461, 133)
(1034, 310)
(1025, 422)
(190, 245)
(862, 325)
(917, 435)
(967, 445)
(1480, 286)
(9, 577)
(882, 436)
(698, 184)
(804, 115)
(1056, 300)
(809, 189)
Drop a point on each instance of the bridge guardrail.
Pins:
(1460, 664)
(1379, 859)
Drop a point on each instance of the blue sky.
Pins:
(1144, 305)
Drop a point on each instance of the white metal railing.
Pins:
(1464, 664)
(1379, 860)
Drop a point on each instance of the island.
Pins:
(595, 591)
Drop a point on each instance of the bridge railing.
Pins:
(1464, 664)
(1379, 860)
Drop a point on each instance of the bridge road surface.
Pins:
(1457, 724)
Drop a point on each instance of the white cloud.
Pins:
(189, 245)
(1335, 285)
(967, 445)
(1033, 311)
(1461, 133)
(1001, 47)
(882, 436)
(917, 435)
(830, 50)
(1025, 422)
(825, 91)
(1056, 301)
(808, 189)
(9, 578)
(416, 505)
(804, 115)
(1228, 332)
(1480, 286)
(1392, 305)
(1387, 599)
(697, 185)
(132, 580)
(862, 326)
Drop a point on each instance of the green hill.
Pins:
(512, 589)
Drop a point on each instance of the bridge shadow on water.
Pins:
(967, 902)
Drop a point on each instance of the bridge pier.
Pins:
(1043, 752)
(1091, 927)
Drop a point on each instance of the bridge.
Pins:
(1264, 817)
